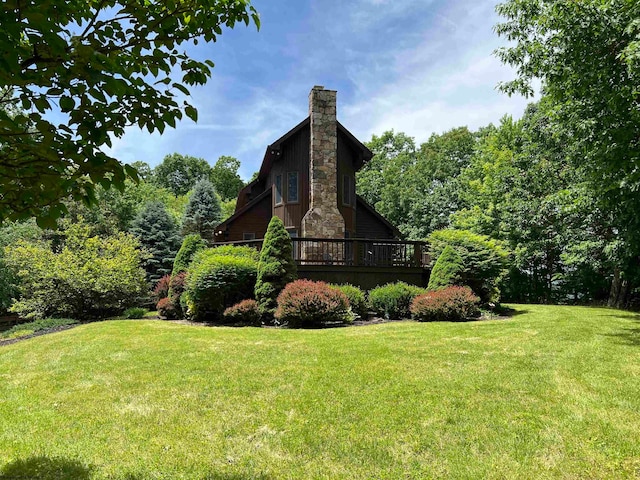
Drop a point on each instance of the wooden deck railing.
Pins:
(357, 252)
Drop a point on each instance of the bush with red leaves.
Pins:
(162, 288)
(169, 308)
(449, 304)
(304, 303)
(246, 312)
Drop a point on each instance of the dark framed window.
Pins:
(248, 236)
(292, 187)
(346, 190)
(293, 232)
(278, 189)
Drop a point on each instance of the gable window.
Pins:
(278, 189)
(347, 182)
(248, 236)
(292, 187)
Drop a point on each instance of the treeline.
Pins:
(519, 184)
(126, 237)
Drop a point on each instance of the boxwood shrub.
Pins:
(394, 299)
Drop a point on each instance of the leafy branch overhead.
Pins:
(75, 74)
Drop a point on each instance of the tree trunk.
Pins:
(619, 290)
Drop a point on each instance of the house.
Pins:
(307, 178)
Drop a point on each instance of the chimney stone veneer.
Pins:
(323, 220)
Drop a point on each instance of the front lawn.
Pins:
(552, 392)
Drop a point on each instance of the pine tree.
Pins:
(203, 212)
(276, 267)
(447, 271)
(158, 234)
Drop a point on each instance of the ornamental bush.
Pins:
(134, 313)
(357, 299)
(215, 282)
(169, 308)
(447, 271)
(304, 303)
(449, 304)
(394, 299)
(161, 290)
(87, 277)
(276, 267)
(485, 260)
(245, 312)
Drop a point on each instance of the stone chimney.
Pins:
(323, 220)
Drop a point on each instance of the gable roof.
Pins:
(273, 150)
(245, 208)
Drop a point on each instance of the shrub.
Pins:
(134, 312)
(161, 289)
(485, 259)
(394, 299)
(276, 267)
(87, 277)
(304, 303)
(447, 271)
(191, 245)
(215, 282)
(357, 299)
(451, 304)
(246, 312)
(237, 251)
(169, 308)
(37, 326)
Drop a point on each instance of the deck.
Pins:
(360, 261)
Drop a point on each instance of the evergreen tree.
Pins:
(158, 234)
(191, 245)
(276, 267)
(203, 212)
(447, 271)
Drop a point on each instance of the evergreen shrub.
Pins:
(276, 267)
(215, 282)
(134, 312)
(393, 300)
(191, 244)
(304, 303)
(357, 298)
(447, 270)
(452, 304)
(245, 312)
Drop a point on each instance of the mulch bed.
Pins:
(9, 341)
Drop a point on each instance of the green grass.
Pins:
(552, 392)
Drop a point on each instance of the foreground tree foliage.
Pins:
(88, 277)
(98, 67)
(587, 55)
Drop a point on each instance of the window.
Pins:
(248, 236)
(292, 187)
(346, 190)
(293, 232)
(278, 189)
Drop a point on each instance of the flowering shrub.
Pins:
(394, 299)
(450, 304)
(246, 312)
(304, 303)
(161, 289)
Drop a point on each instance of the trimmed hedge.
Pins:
(394, 299)
(304, 303)
(356, 296)
(191, 244)
(215, 282)
(449, 304)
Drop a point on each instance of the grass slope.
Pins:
(550, 393)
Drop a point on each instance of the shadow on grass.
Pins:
(57, 468)
(44, 468)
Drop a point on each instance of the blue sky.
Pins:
(417, 66)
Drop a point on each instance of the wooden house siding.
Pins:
(253, 220)
(346, 161)
(370, 226)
